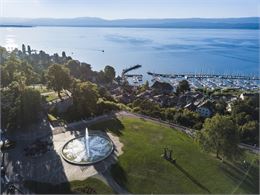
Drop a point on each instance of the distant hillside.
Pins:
(21, 26)
(225, 23)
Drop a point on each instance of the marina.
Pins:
(212, 81)
(200, 80)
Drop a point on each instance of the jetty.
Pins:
(130, 69)
(136, 77)
(204, 76)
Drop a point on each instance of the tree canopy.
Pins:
(58, 77)
(219, 135)
(85, 96)
(183, 86)
(109, 73)
(19, 106)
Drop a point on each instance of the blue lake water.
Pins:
(157, 50)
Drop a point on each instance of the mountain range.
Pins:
(219, 23)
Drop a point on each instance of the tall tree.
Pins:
(85, 72)
(74, 67)
(219, 135)
(58, 78)
(23, 49)
(63, 54)
(19, 106)
(30, 105)
(5, 80)
(85, 96)
(29, 50)
(183, 86)
(250, 132)
(109, 73)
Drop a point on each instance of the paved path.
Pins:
(249, 147)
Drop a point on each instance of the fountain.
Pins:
(87, 141)
(87, 149)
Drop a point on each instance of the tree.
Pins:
(9, 108)
(4, 77)
(23, 49)
(188, 118)
(19, 106)
(29, 49)
(144, 87)
(30, 106)
(85, 71)
(85, 96)
(183, 86)
(12, 65)
(250, 132)
(109, 73)
(220, 107)
(63, 54)
(219, 135)
(56, 58)
(74, 67)
(58, 78)
(27, 71)
(3, 53)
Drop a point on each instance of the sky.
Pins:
(118, 9)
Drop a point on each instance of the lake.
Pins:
(157, 50)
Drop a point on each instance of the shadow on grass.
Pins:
(118, 173)
(191, 177)
(249, 182)
(113, 125)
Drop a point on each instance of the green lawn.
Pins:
(53, 96)
(141, 169)
(40, 88)
(78, 187)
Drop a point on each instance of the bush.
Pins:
(107, 106)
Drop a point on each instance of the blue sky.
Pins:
(114, 9)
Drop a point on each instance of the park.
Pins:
(135, 165)
(66, 128)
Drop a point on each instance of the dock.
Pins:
(205, 76)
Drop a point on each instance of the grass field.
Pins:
(141, 169)
(51, 96)
(79, 187)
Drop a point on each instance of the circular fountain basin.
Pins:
(99, 148)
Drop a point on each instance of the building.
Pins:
(243, 96)
(162, 87)
(204, 109)
(190, 106)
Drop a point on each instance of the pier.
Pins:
(136, 77)
(130, 69)
(205, 76)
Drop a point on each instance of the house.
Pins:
(117, 91)
(162, 87)
(205, 109)
(243, 96)
(190, 106)
(229, 107)
(197, 96)
(125, 98)
(145, 94)
(183, 100)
